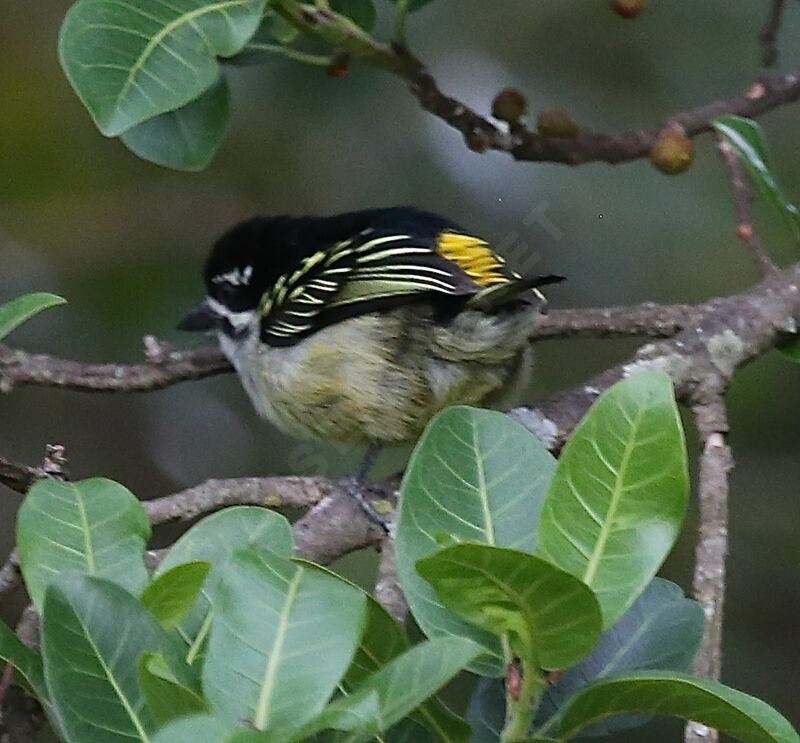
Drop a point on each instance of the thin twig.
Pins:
(743, 195)
(769, 33)
(716, 462)
(19, 368)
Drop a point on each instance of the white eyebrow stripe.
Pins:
(235, 277)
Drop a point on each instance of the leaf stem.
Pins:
(319, 60)
(521, 706)
(400, 21)
(342, 34)
(194, 649)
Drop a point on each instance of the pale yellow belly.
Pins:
(377, 378)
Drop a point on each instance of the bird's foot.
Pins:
(379, 510)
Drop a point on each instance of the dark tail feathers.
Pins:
(494, 297)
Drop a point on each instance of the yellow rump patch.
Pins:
(474, 256)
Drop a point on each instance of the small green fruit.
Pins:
(673, 152)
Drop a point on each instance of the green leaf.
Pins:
(17, 311)
(411, 730)
(129, 62)
(167, 698)
(187, 138)
(262, 46)
(218, 536)
(401, 685)
(29, 669)
(732, 712)
(357, 715)
(478, 476)
(617, 500)
(361, 12)
(213, 540)
(282, 638)
(790, 348)
(408, 680)
(93, 633)
(662, 631)
(171, 595)
(274, 26)
(198, 729)
(95, 526)
(486, 711)
(748, 139)
(26, 662)
(382, 641)
(551, 618)
(433, 716)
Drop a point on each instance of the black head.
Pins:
(242, 263)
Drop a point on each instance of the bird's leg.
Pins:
(355, 486)
(367, 463)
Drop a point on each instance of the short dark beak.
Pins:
(201, 317)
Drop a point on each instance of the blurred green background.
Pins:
(124, 240)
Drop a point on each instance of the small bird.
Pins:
(360, 327)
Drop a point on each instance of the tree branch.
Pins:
(702, 358)
(337, 525)
(480, 135)
(19, 368)
(647, 319)
(522, 144)
(333, 527)
(712, 546)
(769, 33)
(212, 495)
(743, 195)
(18, 477)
